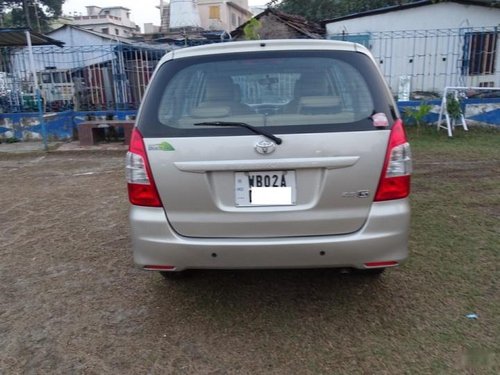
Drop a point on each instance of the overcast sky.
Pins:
(142, 11)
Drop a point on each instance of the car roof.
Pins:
(266, 45)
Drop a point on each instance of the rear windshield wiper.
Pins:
(243, 125)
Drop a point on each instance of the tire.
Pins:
(373, 272)
(168, 275)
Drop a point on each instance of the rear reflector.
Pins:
(389, 263)
(159, 268)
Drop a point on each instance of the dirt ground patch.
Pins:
(73, 302)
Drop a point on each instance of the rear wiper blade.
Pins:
(243, 125)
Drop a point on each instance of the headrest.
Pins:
(210, 111)
(319, 101)
(311, 84)
(219, 89)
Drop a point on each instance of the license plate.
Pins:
(269, 188)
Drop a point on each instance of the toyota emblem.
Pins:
(265, 147)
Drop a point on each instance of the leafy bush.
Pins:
(12, 140)
(417, 115)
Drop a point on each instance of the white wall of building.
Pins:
(447, 15)
(184, 13)
(91, 49)
(111, 20)
(419, 42)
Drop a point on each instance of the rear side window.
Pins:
(290, 92)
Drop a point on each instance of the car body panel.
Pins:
(197, 188)
(384, 236)
(336, 159)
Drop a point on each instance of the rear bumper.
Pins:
(384, 237)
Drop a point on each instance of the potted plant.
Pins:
(454, 108)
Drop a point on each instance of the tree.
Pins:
(35, 14)
(251, 30)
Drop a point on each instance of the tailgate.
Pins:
(329, 180)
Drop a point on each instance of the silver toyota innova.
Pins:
(269, 154)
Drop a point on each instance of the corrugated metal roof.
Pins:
(300, 24)
(16, 37)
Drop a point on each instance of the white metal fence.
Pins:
(81, 78)
(114, 77)
(430, 60)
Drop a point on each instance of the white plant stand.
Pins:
(451, 123)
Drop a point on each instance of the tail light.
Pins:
(395, 179)
(141, 187)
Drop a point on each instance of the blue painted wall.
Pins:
(484, 111)
(62, 125)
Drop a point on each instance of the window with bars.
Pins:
(480, 49)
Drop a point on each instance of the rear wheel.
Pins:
(168, 275)
(374, 272)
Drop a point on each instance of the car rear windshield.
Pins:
(287, 92)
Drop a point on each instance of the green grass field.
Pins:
(455, 243)
(71, 300)
(412, 320)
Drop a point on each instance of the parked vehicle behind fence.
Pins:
(269, 154)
